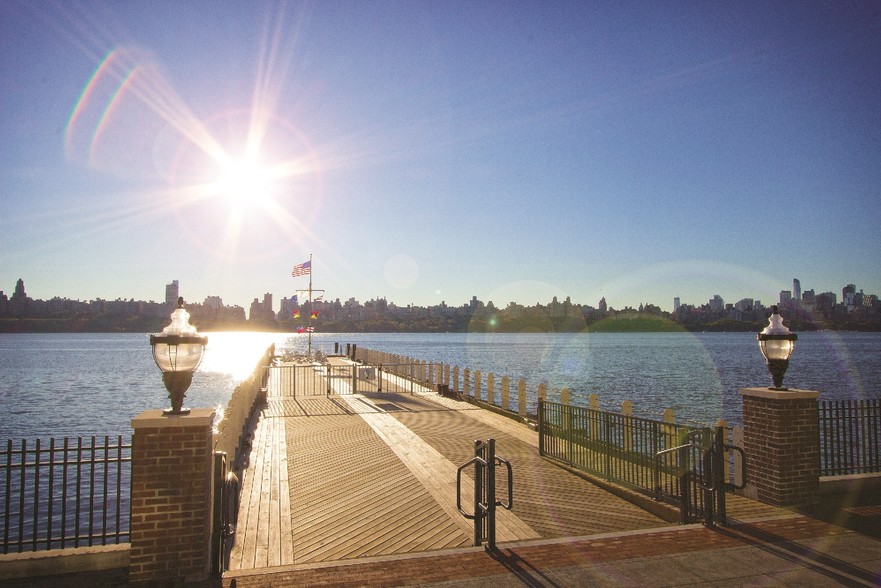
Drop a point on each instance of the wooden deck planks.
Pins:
(352, 497)
(549, 499)
(263, 529)
(437, 473)
(339, 477)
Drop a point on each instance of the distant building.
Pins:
(676, 304)
(796, 289)
(716, 303)
(785, 297)
(172, 293)
(602, 306)
(288, 306)
(256, 310)
(745, 305)
(18, 304)
(848, 295)
(214, 302)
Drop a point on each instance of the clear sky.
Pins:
(429, 151)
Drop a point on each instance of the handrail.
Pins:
(510, 504)
(475, 459)
(738, 449)
(485, 502)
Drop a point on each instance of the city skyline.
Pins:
(425, 152)
(173, 290)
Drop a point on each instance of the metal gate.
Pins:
(700, 463)
(485, 503)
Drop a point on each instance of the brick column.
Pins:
(171, 497)
(781, 439)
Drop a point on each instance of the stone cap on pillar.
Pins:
(155, 419)
(790, 394)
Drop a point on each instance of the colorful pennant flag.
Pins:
(299, 330)
(297, 313)
(314, 314)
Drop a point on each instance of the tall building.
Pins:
(172, 293)
(676, 304)
(785, 297)
(602, 305)
(848, 294)
(215, 302)
(796, 289)
(19, 295)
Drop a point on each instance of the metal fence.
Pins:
(72, 493)
(665, 460)
(850, 437)
(299, 381)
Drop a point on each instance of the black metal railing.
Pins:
(297, 381)
(675, 463)
(850, 437)
(613, 446)
(71, 493)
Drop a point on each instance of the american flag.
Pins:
(310, 329)
(302, 269)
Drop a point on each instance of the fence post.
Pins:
(719, 473)
(171, 519)
(477, 376)
(491, 389)
(541, 422)
(593, 403)
(567, 424)
(543, 391)
(737, 441)
(521, 397)
(627, 413)
(781, 441)
(669, 417)
(466, 382)
(505, 385)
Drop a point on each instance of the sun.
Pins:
(245, 183)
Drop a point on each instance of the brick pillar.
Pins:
(781, 439)
(171, 498)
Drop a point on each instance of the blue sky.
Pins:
(429, 151)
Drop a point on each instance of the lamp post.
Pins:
(178, 351)
(776, 343)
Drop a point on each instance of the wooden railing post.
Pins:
(521, 397)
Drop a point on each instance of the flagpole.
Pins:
(310, 306)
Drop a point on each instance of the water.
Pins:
(93, 384)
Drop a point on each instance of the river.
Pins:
(93, 384)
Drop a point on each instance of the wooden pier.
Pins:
(334, 477)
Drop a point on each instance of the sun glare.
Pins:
(245, 183)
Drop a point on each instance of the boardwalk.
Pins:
(344, 476)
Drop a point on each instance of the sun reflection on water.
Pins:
(236, 354)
